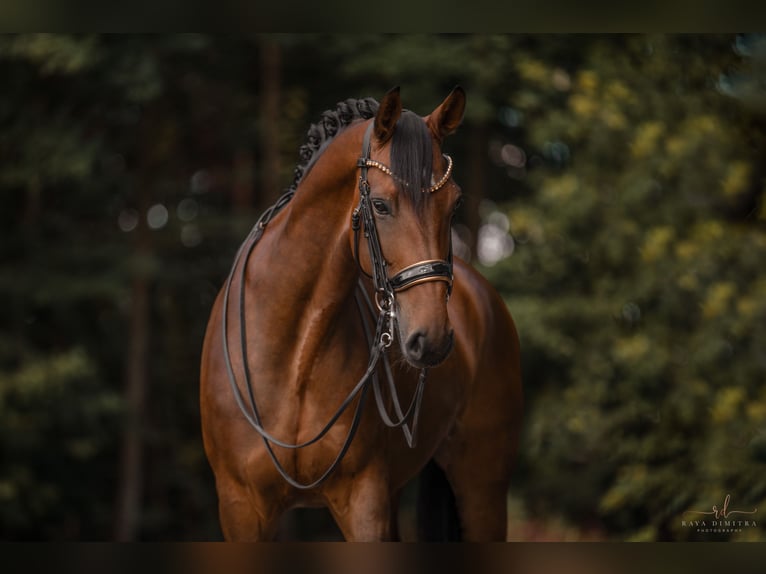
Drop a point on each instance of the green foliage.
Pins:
(638, 288)
(426, 66)
(47, 438)
(53, 53)
(75, 156)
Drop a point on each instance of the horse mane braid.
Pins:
(332, 122)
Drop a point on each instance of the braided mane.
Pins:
(332, 122)
(411, 150)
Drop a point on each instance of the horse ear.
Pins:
(388, 114)
(446, 118)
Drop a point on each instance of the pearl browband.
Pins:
(387, 170)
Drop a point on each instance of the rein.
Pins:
(379, 340)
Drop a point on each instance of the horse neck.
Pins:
(317, 220)
(306, 268)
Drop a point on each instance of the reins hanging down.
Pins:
(379, 340)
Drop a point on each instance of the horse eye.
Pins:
(458, 204)
(380, 207)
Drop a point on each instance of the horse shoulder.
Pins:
(490, 343)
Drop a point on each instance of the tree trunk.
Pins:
(270, 172)
(243, 181)
(130, 488)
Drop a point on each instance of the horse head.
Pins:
(411, 199)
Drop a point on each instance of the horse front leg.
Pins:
(246, 517)
(479, 472)
(363, 510)
(482, 508)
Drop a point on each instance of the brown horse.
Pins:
(293, 345)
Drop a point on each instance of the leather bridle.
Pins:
(385, 296)
(422, 272)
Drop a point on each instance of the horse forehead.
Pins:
(382, 154)
(384, 151)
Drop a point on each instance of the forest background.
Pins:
(615, 190)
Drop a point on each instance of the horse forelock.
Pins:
(412, 157)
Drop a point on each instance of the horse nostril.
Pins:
(416, 345)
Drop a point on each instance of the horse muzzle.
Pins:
(422, 351)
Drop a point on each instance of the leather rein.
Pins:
(379, 339)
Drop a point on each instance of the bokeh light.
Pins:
(127, 220)
(157, 216)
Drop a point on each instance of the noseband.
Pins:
(422, 272)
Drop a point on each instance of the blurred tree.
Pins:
(116, 166)
(638, 289)
(270, 74)
(59, 403)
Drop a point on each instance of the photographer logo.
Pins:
(721, 519)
